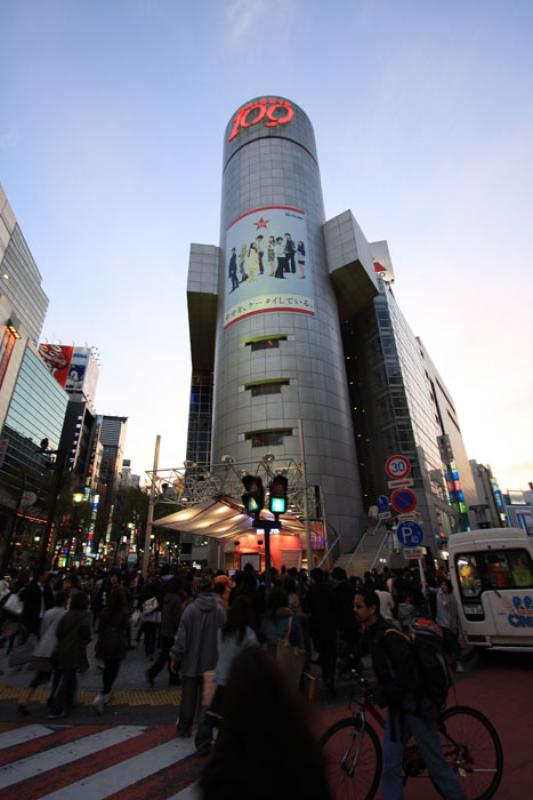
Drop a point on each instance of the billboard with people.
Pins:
(266, 266)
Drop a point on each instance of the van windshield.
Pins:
(493, 569)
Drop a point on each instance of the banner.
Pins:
(57, 358)
(266, 264)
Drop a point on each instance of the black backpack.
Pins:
(427, 641)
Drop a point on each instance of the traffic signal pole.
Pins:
(151, 503)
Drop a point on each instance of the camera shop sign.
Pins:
(271, 111)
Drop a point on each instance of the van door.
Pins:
(475, 608)
(509, 581)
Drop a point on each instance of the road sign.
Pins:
(409, 533)
(403, 500)
(385, 515)
(398, 467)
(414, 552)
(398, 482)
(383, 503)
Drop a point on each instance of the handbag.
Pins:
(150, 606)
(14, 605)
(290, 659)
(310, 687)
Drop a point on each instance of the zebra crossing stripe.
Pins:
(109, 781)
(23, 734)
(58, 757)
(15, 752)
(173, 779)
(192, 792)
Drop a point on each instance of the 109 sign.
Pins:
(273, 110)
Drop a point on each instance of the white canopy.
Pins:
(222, 518)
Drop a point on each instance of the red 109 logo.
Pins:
(273, 110)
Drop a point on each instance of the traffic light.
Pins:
(254, 495)
(278, 495)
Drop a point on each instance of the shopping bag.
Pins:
(14, 605)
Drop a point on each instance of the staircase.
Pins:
(365, 556)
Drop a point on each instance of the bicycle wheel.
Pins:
(352, 756)
(473, 749)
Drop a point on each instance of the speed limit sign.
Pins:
(398, 467)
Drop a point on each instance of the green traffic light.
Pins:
(252, 504)
(278, 505)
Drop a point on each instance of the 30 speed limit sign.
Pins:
(398, 467)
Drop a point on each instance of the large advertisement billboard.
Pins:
(266, 264)
(57, 358)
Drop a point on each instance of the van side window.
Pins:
(508, 569)
(469, 575)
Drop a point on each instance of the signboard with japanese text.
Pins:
(266, 264)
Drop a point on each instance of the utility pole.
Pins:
(151, 503)
(306, 499)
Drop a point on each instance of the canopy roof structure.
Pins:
(222, 518)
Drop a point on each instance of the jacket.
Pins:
(274, 629)
(195, 645)
(320, 603)
(170, 617)
(393, 661)
(112, 644)
(73, 635)
(35, 598)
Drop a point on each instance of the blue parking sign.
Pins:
(383, 503)
(409, 533)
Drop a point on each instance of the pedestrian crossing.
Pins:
(97, 762)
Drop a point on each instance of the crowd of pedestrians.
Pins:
(204, 627)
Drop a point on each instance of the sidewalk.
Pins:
(131, 687)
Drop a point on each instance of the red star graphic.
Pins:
(261, 223)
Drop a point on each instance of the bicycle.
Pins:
(352, 751)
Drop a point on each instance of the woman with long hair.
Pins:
(73, 636)
(112, 642)
(265, 748)
(235, 635)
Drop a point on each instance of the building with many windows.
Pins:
(36, 413)
(20, 280)
(299, 346)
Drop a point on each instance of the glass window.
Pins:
(467, 565)
(270, 438)
(508, 569)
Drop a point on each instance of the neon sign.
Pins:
(273, 110)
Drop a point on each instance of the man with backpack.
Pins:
(409, 684)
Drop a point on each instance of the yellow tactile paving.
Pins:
(168, 698)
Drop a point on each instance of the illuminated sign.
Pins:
(273, 111)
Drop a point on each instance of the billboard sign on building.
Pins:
(57, 358)
(83, 373)
(382, 261)
(269, 111)
(266, 264)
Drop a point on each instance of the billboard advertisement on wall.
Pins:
(57, 358)
(83, 373)
(266, 264)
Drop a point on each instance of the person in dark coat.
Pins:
(170, 620)
(37, 598)
(112, 643)
(319, 602)
(344, 593)
(232, 270)
(73, 636)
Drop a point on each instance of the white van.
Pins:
(492, 576)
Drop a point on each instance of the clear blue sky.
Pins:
(111, 122)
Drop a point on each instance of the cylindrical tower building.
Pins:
(278, 351)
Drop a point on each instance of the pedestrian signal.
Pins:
(254, 496)
(278, 495)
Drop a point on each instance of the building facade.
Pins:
(36, 412)
(112, 433)
(20, 280)
(295, 328)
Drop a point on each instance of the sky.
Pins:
(112, 114)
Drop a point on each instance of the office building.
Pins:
(490, 505)
(295, 328)
(112, 437)
(36, 412)
(127, 479)
(20, 280)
